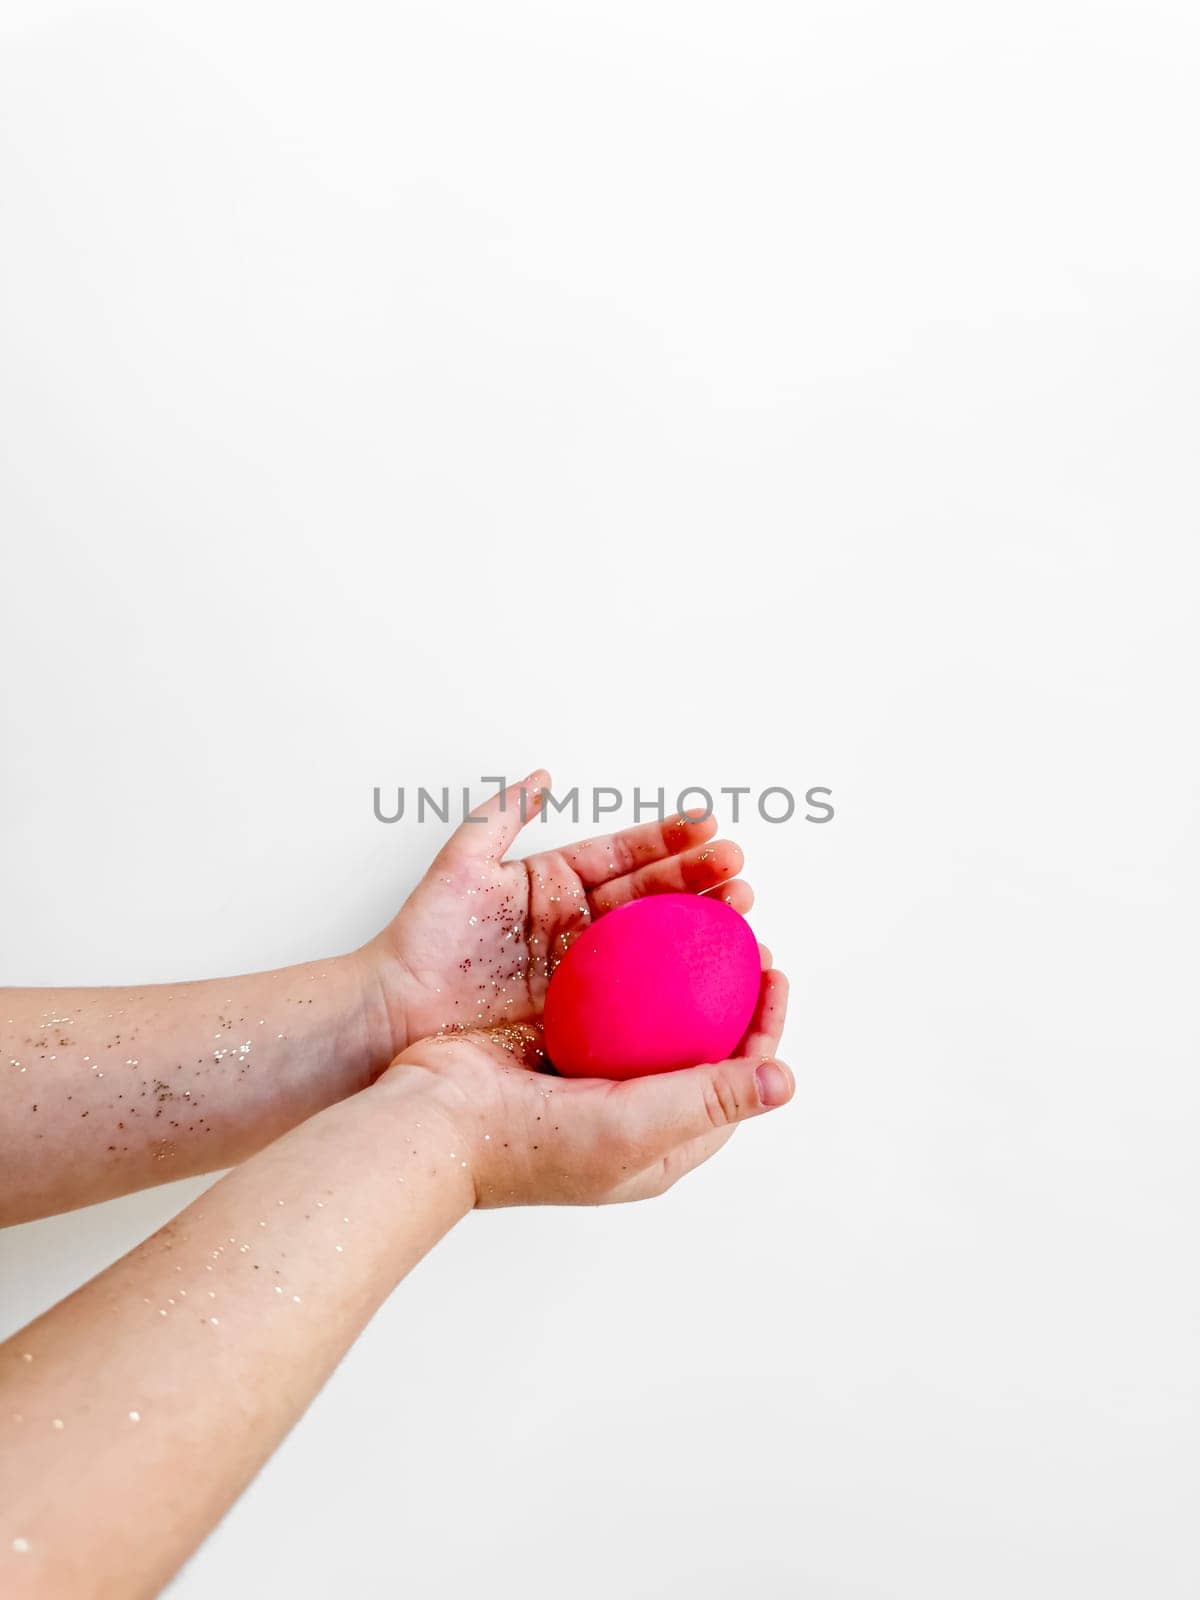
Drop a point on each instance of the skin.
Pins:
(103, 1091)
(219, 1329)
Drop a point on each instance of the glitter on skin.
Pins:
(58, 1424)
(21, 1546)
(135, 1416)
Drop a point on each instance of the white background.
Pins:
(764, 394)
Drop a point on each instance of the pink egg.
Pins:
(665, 982)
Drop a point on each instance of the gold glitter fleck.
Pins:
(135, 1416)
(58, 1424)
(26, 1356)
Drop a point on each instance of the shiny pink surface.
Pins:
(660, 983)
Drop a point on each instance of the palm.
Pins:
(534, 1136)
(477, 941)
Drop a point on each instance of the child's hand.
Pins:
(475, 943)
(527, 1137)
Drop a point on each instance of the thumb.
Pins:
(491, 828)
(662, 1111)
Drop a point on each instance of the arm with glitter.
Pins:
(103, 1091)
(133, 1413)
(107, 1090)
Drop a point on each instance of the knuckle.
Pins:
(641, 884)
(720, 1101)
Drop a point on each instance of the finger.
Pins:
(765, 956)
(491, 828)
(595, 861)
(766, 1025)
(737, 894)
(657, 1113)
(690, 873)
(667, 1171)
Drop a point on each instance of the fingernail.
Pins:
(774, 1086)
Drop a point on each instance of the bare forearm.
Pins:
(167, 1381)
(103, 1091)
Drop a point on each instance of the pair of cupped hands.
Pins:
(462, 973)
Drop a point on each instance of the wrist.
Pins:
(380, 998)
(429, 1113)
